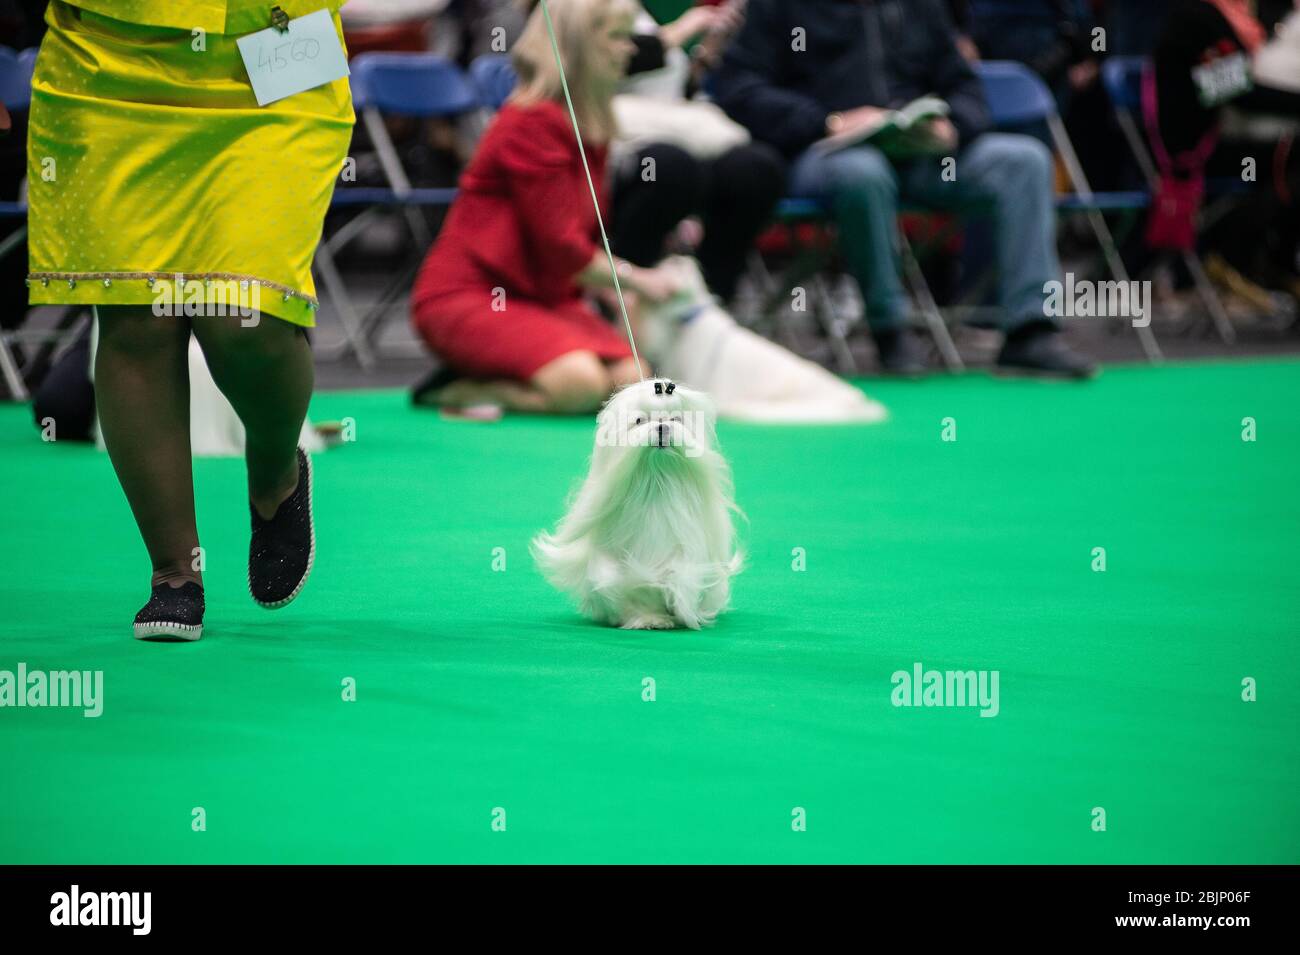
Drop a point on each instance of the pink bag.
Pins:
(1171, 223)
(1176, 204)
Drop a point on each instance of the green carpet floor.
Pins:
(479, 688)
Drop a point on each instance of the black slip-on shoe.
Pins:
(172, 613)
(1040, 351)
(901, 353)
(283, 549)
(425, 393)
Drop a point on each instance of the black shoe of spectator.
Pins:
(425, 392)
(1039, 349)
(282, 550)
(900, 352)
(172, 613)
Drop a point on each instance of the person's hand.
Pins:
(851, 120)
(694, 22)
(731, 15)
(6, 123)
(1084, 74)
(936, 136)
(655, 285)
(689, 233)
(729, 18)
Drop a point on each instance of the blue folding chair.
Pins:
(412, 85)
(1018, 97)
(494, 76)
(1122, 78)
(16, 93)
(16, 67)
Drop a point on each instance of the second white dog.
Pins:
(692, 339)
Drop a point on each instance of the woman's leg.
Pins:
(650, 199)
(266, 372)
(457, 329)
(743, 187)
(142, 390)
(510, 395)
(575, 383)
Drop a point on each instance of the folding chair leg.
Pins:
(1213, 304)
(776, 303)
(934, 322)
(1204, 288)
(1146, 337)
(353, 332)
(1118, 272)
(13, 240)
(764, 288)
(836, 326)
(9, 368)
(392, 166)
(752, 293)
(372, 323)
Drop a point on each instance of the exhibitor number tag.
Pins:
(281, 63)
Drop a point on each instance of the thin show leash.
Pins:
(595, 201)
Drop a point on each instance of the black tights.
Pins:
(142, 393)
(734, 194)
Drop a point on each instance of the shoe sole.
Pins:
(168, 632)
(311, 554)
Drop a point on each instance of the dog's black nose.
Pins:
(663, 433)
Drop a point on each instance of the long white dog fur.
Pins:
(693, 340)
(648, 541)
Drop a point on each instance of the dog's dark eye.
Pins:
(639, 420)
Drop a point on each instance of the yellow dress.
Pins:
(153, 173)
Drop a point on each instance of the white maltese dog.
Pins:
(648, 542)
(691, 338)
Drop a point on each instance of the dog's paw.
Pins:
(649, 621)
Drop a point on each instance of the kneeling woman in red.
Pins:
(500, 298)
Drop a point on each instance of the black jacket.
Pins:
(782, 84)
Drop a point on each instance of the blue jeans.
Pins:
(1006, 175)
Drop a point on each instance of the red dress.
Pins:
(496, 297)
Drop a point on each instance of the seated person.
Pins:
(500, 298)
(732, 189)
(1221, 104)
(796, 73)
